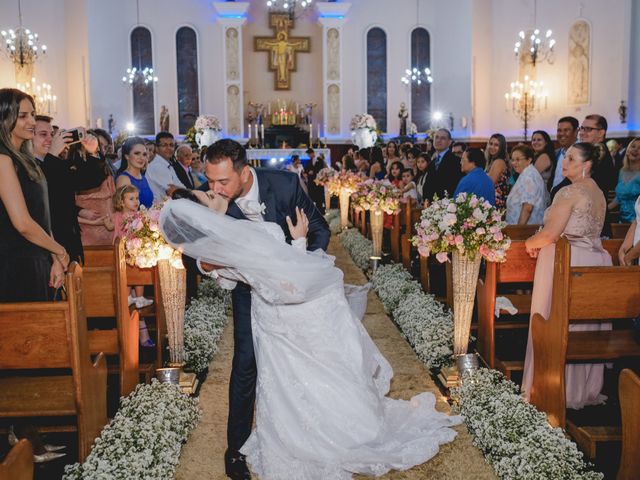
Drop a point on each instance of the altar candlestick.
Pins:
(249, 130)
(269, 108)
(256, 125)
(318, 132)
(310, 134)
(262, 132)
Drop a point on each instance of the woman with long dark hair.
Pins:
(497, 167)
(544, 153)
(131, 171)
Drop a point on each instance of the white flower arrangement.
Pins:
(204, 122)
(144, 439)
(324, 175)
(516, 438)
(333, 219)
(359, 247)
(204, 322)
(363, 120)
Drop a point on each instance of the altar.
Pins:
(273, 157)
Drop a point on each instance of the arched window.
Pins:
(377, 76)
(420, 94)
(143, 104)
(187, 64)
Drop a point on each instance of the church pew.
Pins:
(149, 277)
(46, 365)
(18, 464)
(105, 285)
(629, 392)
(619, 230)
(410, 216)
(580, 294)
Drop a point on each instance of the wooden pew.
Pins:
(580, 294)
(629, 389)
(18, 464)
(619, 230)
(105, 285)
(149, 276)
(46, 365)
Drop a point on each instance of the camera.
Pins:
(77, 135)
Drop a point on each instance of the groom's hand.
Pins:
(208, 267)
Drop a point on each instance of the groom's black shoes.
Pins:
(235, 465)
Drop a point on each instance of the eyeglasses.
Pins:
(162, 145)
(589, 129)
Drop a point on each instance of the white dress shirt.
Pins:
(160, 174)
(557, 175)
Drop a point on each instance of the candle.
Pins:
(318, 132)
(249, 130)
(269, 108)
(310, 134)
(262, 132)
(256, 125)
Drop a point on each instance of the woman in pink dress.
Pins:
(577, 213)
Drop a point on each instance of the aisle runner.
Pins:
(202, 456)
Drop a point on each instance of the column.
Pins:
(332, 16)
(232, 16)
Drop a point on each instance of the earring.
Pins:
(583, 173)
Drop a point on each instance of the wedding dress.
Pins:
(321, 410)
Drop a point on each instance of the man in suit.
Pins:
(567, 135)
(443, 173)
(311, 169)
(64, 179)
(182, 166)
(259, 195)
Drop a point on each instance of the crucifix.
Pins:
(282, 49)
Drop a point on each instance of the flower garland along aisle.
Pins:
(333, 219)
(514, 437)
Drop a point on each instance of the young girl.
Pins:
(408, 185)
(126, 201)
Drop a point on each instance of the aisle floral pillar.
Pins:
(173, 286)
(342, 184)
(377, 227)
(471, 229)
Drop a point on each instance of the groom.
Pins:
(259, 195)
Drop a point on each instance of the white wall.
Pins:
(471, 54)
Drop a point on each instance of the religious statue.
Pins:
(579, 53)
(622, 111)
(308, 113)
(164, 119)
(259, 112)
(111, 123)
(403, 115)
(282, 49)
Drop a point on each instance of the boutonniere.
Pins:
(263, 208)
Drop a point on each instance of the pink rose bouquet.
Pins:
(467, 223)
(345, 180)
(324, 176)
(377, 195)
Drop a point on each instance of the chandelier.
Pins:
(417, 76)
(531, 43)
(525, 98)
(139, 78)
(43, 96)
(289, 6)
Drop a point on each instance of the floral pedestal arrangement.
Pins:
(344, 196)
(377, 223)
(207, 130)
(363, 130)
(343, 184)
(470, 228)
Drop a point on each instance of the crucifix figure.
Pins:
(282, 49)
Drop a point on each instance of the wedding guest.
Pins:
(182, 165)
(498, 168)
(391, 153)
(349, 163)
(197, 168)
(106, 149)
(31, 261)
(311, 169)
(528, 197)
(475, 181)
(458, 148)
(161, 172)
(444, 168)
(410, 161)
(296, 166)
(134, 163)
(395, 174)
(422, 165)
(376, 160)
(617, 151)
(98, 231)
(428, 144)
(578, 214)
(151, 149)
(408, 185)
(64, 179)
(628, 188)
(630, 249)
(566, 135)
(544, 152)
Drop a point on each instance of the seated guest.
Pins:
(395, 174)
(134, 163)
(182, 165)
(528, 197)
(197, 168)
(458, 148)
(544, 153)
(628, 188)
(422, 165)
(151, 149)
(349, 164)
(161, 172)
(497, 167)
(476, 181)
(630, 248)
(376, 160)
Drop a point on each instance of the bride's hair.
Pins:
(180, 193)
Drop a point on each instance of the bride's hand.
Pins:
(217, 202)
(302, 225)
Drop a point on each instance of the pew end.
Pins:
(18, 464)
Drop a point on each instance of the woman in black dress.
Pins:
(31, 261)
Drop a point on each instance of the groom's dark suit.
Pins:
(280, 192)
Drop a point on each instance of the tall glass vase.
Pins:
(327, 199)
(344, 208)
(376, 218)
(465, 279)
(173, 285)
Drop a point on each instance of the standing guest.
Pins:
(31, 261)
(567, 135)
(428, 144)
(630, 249)
(64, 179)
(528, 197)
(458, 148)
(151, 149)
(422, 165)
(476, 181)
(617, 151)
(99, 200)
(106, 149)
(161, 172)
(134, 163)
(296, 166)
(197, 168)
(577, 213)
(349, 163)
(311, 169)
(444, 169)
(395, 174)
(410, 161)
(391, 153)
(408, 185)
(544, 152)
(376, 160)
(628, 188)
(497, 167)
(182, 165)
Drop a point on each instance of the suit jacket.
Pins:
(182, 174)
(64, 179)
(311, 171)
(443, 179)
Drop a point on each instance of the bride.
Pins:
(321, 410)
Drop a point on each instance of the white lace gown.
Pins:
(321, 410)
